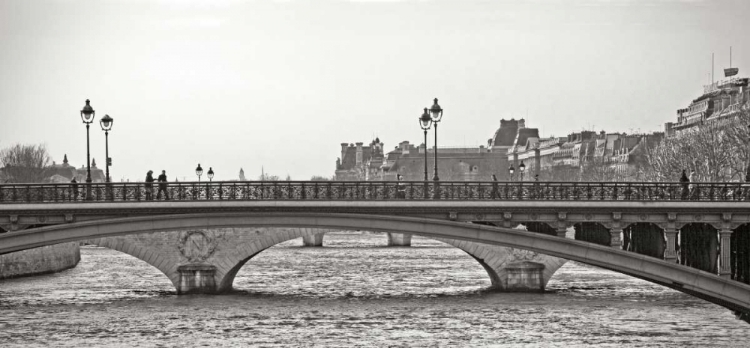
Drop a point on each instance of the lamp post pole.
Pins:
(199, 172)
(511, 170)
(87, 116)
(437, 114)
(210, 174)
(106, 155)
(106, 122)
(425, 122)
(522, 167)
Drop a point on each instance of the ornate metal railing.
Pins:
(373, 190)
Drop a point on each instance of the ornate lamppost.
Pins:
(199, 172)
(437, 114)
(87, 116)
(425, 122)
(210, 174)
(511, 170)
(106, 122)
(522, 167)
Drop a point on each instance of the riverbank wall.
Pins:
(47, 259)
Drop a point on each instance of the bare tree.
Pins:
(319, 178)
(717, 152)
(24, 163)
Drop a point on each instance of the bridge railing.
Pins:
(373, 190)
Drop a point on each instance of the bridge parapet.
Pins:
(374, 190)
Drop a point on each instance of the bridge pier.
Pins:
(315, 240)
(725, 240)
(615, 238)
(670, 254)
(399, 239)
(196, 279)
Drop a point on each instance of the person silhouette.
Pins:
(149, 185)
(162, 185)
(74, 188)
(494, 193)
(400, 187)
(685, 182)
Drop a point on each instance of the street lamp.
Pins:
(210, 174)
(511, 170)
(437, 114)
(425, 122)
(199, 172)
(106, 122)
(87, 115)
(522, 167)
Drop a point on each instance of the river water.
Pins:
(353, 292)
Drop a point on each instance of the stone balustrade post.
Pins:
(670, 254)
(725, 270)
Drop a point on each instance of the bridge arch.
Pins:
(728, 293)
(503, 265)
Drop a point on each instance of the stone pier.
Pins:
(399, 239)
(196, 279)
(315, 240)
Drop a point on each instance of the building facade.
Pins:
(719, 101)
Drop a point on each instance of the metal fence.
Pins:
(373, 190)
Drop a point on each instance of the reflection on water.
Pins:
(353, 292)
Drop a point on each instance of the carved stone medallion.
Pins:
(523, 255)
(589, 217)
(534, 216)
(196, 246)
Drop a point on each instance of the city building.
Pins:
(64, 172)
(720, 100)
(358, 162)
(584, 155)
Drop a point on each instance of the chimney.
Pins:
(404, 147)
(343, 150)
(521, 123)
(359, 153)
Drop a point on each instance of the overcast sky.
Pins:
(279, 85)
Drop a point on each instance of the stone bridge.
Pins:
(204, 233)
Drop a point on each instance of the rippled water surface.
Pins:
(353, 292)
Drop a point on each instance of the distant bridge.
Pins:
(221, 225)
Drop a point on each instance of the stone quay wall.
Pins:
(47, 259)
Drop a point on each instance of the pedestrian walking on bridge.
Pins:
(149, 185)
(494, 194)
(685, 182)
(162, 185)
